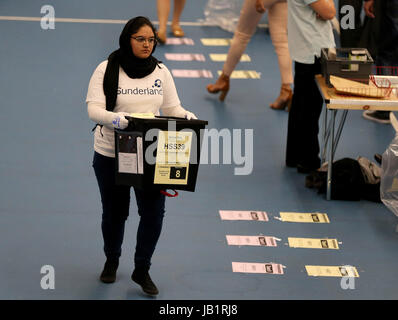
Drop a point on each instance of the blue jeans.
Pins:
(115, 205)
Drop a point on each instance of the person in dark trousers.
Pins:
(387, 46)
(309, 30)
(112, 94)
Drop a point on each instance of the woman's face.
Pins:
(142, 42)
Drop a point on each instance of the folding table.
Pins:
(335, 102)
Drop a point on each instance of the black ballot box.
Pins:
(159, 152)
(350, 63)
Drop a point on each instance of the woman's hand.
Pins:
(178, 112)
(119, 121)
(190, 115)
(260, 6)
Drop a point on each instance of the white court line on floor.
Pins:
(200, 23)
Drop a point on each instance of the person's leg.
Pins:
(175, 23)
(247, 24)
(151, 208)
(277, 18)
(310, 122)
(246, 27)
(115, 205)
(293, 128)
(387, 56)
(163, 8)
(302, 150)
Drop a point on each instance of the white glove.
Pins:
(119, 121)
(179, 112)
(190, 115)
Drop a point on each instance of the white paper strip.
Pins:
(140, 157)
(185, 57)
(251, 241)
(179, 41)
(243, 215)
(179, 73)
(247, 267)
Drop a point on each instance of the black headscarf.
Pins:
(134, 67)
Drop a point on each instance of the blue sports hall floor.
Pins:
(50, 208)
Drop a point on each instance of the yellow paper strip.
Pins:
(243, 74)
(313, 243)
(223, 57)
(304, 217)
(147, 115)
(216, 41)
(394, 186)
(332, 271)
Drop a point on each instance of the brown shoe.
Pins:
(177, 31)
(222, 84)
(285, 98)
(161, 35)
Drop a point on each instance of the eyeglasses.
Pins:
(142, 40)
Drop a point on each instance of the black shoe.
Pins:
(305, 169)
(291, 163)
(108, 275)
(144, 280)
(378, 157)
(377, 116)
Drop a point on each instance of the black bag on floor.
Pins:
(348, 182)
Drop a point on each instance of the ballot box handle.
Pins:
(169, 194)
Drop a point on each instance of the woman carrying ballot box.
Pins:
(112, 94)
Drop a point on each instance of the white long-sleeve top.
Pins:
(152, 93)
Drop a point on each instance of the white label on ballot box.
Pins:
(130, 156)
(140, 158)
(128, 162)
(172, 160)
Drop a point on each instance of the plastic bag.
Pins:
(223, 13)
(389, 175)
